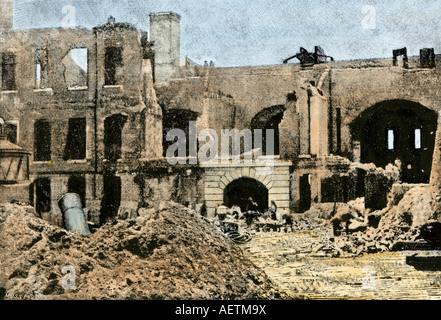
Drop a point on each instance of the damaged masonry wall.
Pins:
(84, 102)
(327, 110)
(78, 113)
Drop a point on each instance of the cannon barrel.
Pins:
(73, 214)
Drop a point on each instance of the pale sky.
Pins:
(263, 32)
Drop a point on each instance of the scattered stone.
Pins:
(383, 229)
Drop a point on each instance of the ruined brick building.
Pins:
(99, 128)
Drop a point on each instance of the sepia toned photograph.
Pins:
(211, 150)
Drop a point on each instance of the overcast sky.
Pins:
(263, 32)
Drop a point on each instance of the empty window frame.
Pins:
(11, 132)
(77, 184)
(76, 68)
(41, 70)
(8, 71)
(112, 62)
(76, 140)
(42, 140)
(113, 127)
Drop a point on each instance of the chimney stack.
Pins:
(5, 16)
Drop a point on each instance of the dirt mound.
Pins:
(401, 222)
(165, 253)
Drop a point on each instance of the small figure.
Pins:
(211, 63)
(205, 63)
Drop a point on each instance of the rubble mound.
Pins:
(395, 223)
(165, 253)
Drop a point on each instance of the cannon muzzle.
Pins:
(73, 214)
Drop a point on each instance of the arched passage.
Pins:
(247, 193)
(398, 129)
(269, 118)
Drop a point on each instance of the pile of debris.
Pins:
(168, 252)
(358, 231)
(244, 224)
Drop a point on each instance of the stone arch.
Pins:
(247, 193)
(269, 118)
(151, 134)
(277, 183)
(397, 129)
(227, 179)
(245, 173)
(364, 103)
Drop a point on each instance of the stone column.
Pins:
(303, 107)
(94, 195)
(152, 116)
(289, 133)
(6, 16)
(318, 123)
(130, 196)
(58, 190)
(435, 176)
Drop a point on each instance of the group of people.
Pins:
(211, 63)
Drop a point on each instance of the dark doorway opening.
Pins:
(248, 194)
(360, 188)
(77, 184)
(272, 124)
(398, 130)
(113, 60)
(42, 140)
(43, 195)
(11, 132)
(8, 71)
(76, 140)
(113, 127)
(305, 193)
(269, 119)
(177, 119)
(111, 198)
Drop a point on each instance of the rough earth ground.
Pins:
(165, 253)
(169, 252)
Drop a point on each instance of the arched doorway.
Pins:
(266, 119)
(247, 193)
(398, 130)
